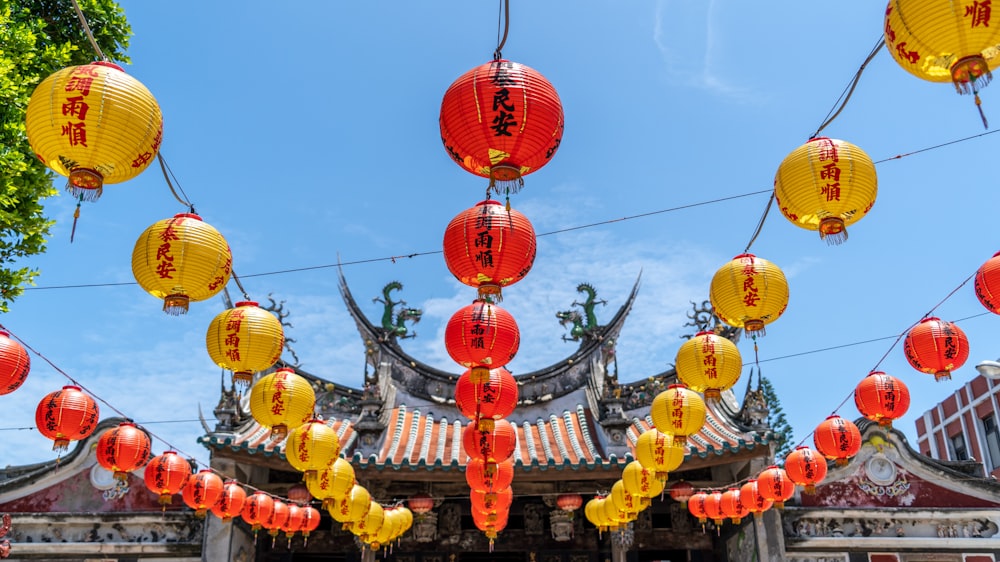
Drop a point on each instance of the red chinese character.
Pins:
(832, 191)
(75, 107)
(77, 133)
(165, 269)
(79, 84)
(980, 12)
(163, 252)
(168, 234)
(828, 150)
(830, 171)
(142, 159)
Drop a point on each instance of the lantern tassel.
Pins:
(979, 106)
(76, 216)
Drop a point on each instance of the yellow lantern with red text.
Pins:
(311, 447)
(282, 400)
(709, 363)
(749, 292)
(333, 482)
(94, 124)
(181, 259)
(352, 506)
(641, 481)
(678, 411)
(659, 452)
(245, 339)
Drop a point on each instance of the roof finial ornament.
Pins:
(395, 314)
(584, 325)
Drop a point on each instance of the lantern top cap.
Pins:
(802, 447)
(820, 138)
(4, 333)
(108, 64)
(205, 470)
(873, 373)
(833, 416)
(246, 303)
(747, 255)
(126, 424)
(705, 333)
(930, 319)
(72, 387)
(169, 452)
(678, 385)
(187, 216)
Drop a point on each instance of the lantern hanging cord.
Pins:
(845, 96)
(236, 278)
(86, 30)
(167, 174)
(760, 224)
(501, 40)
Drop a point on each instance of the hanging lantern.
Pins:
(751, 498)
(231, 501)
(293, 523)
(805, 467)
(627, 502)
(882, 398)
(936, 347)
(421, 503)
(708, 363)
(678, 411)
(489, 248)
(257, 509)
(501, 120)
(659, 452)
(713, 508)
(613, 514)
(123, 449)
(352, 506)
(332, 483)
(482, 336)
(180, 260)
(244, 340)
(14, 363)
(987, 284)
(311, 447)
(837, 439)
(66, 415)
(749, 292)
(945, 42)
(732, 505)
(282, 400)
(641, 481)
(311, 518)
(594, 512)
(681, 491)
(774, 484)
(826, 185)
(94, 124)
(488, 401)
(569, 502)
(166, 474)
(487, 477)
(696, 507)
(494, 446)
(274, 523)
(367, 526)
(202, 491)
(299, 493)
(386, 532)
(497, 502)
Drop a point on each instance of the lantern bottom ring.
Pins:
(754, 326)
(970, 74)
(176, 305)
(942, 376)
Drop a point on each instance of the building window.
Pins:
(992, 440)
(958, 447)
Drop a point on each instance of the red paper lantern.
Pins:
(299, 493)
(774, 484)
(569, 502)
(501, 120)
(166, 474)
(66, 415)
(14, 363)
(487, 477)
(936, 347)
(732, 505)
(713, 508)
(294, 522)
(482, 336)
(494, 446)
(805, 467)
(882, 398)
(230, 502)
(279, 515)
(257, 510)
(696, 507)
(837, 439)
(987, 284)
(489, 247)
(489, 401)
(310, 521)
(681, 491)
(420, 503)
(202, 491)
(498, 501)
(123, 449)
(751, 498)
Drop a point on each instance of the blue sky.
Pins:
(309, 133)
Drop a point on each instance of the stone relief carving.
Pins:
(534, 519)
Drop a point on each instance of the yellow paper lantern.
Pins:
(944, 42)
(826, 185)
(749, 292)
(351, 507)
(369, 525)
(244, 340)
(641, 481)
(614, 516)
(627, 502)
(678, 411)
(311, 447)
(282, 401)
(659, 452)
(708, 363)
(181, 259)
(594, 511)
(332, 483)
(94, 124)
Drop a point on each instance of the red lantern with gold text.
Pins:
(492, 503)
(421, 503)
(882, 398)
(487, 477)
(713, 508)
(14, 363)
(837, 439)
(202, 491)
(678, 411)
(681, 491)
(569, 502)
(492, 446)
(732, 506)
(231, 501)
(774, 484)
(696, 507)
(123, 449)
(480, 337)
(501, 120)
(936, 347)
(987, 284)
(750, 497)
(310, 522)
(749, 292)
(708, 363)
(805, 467)
(257, 509)
(489, 401)
(66, 415)
(489, 247)
(166, 474)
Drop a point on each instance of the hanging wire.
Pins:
(760, 223)
(86, 29)
(845, 96)
(503, 18)
(167, 174)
